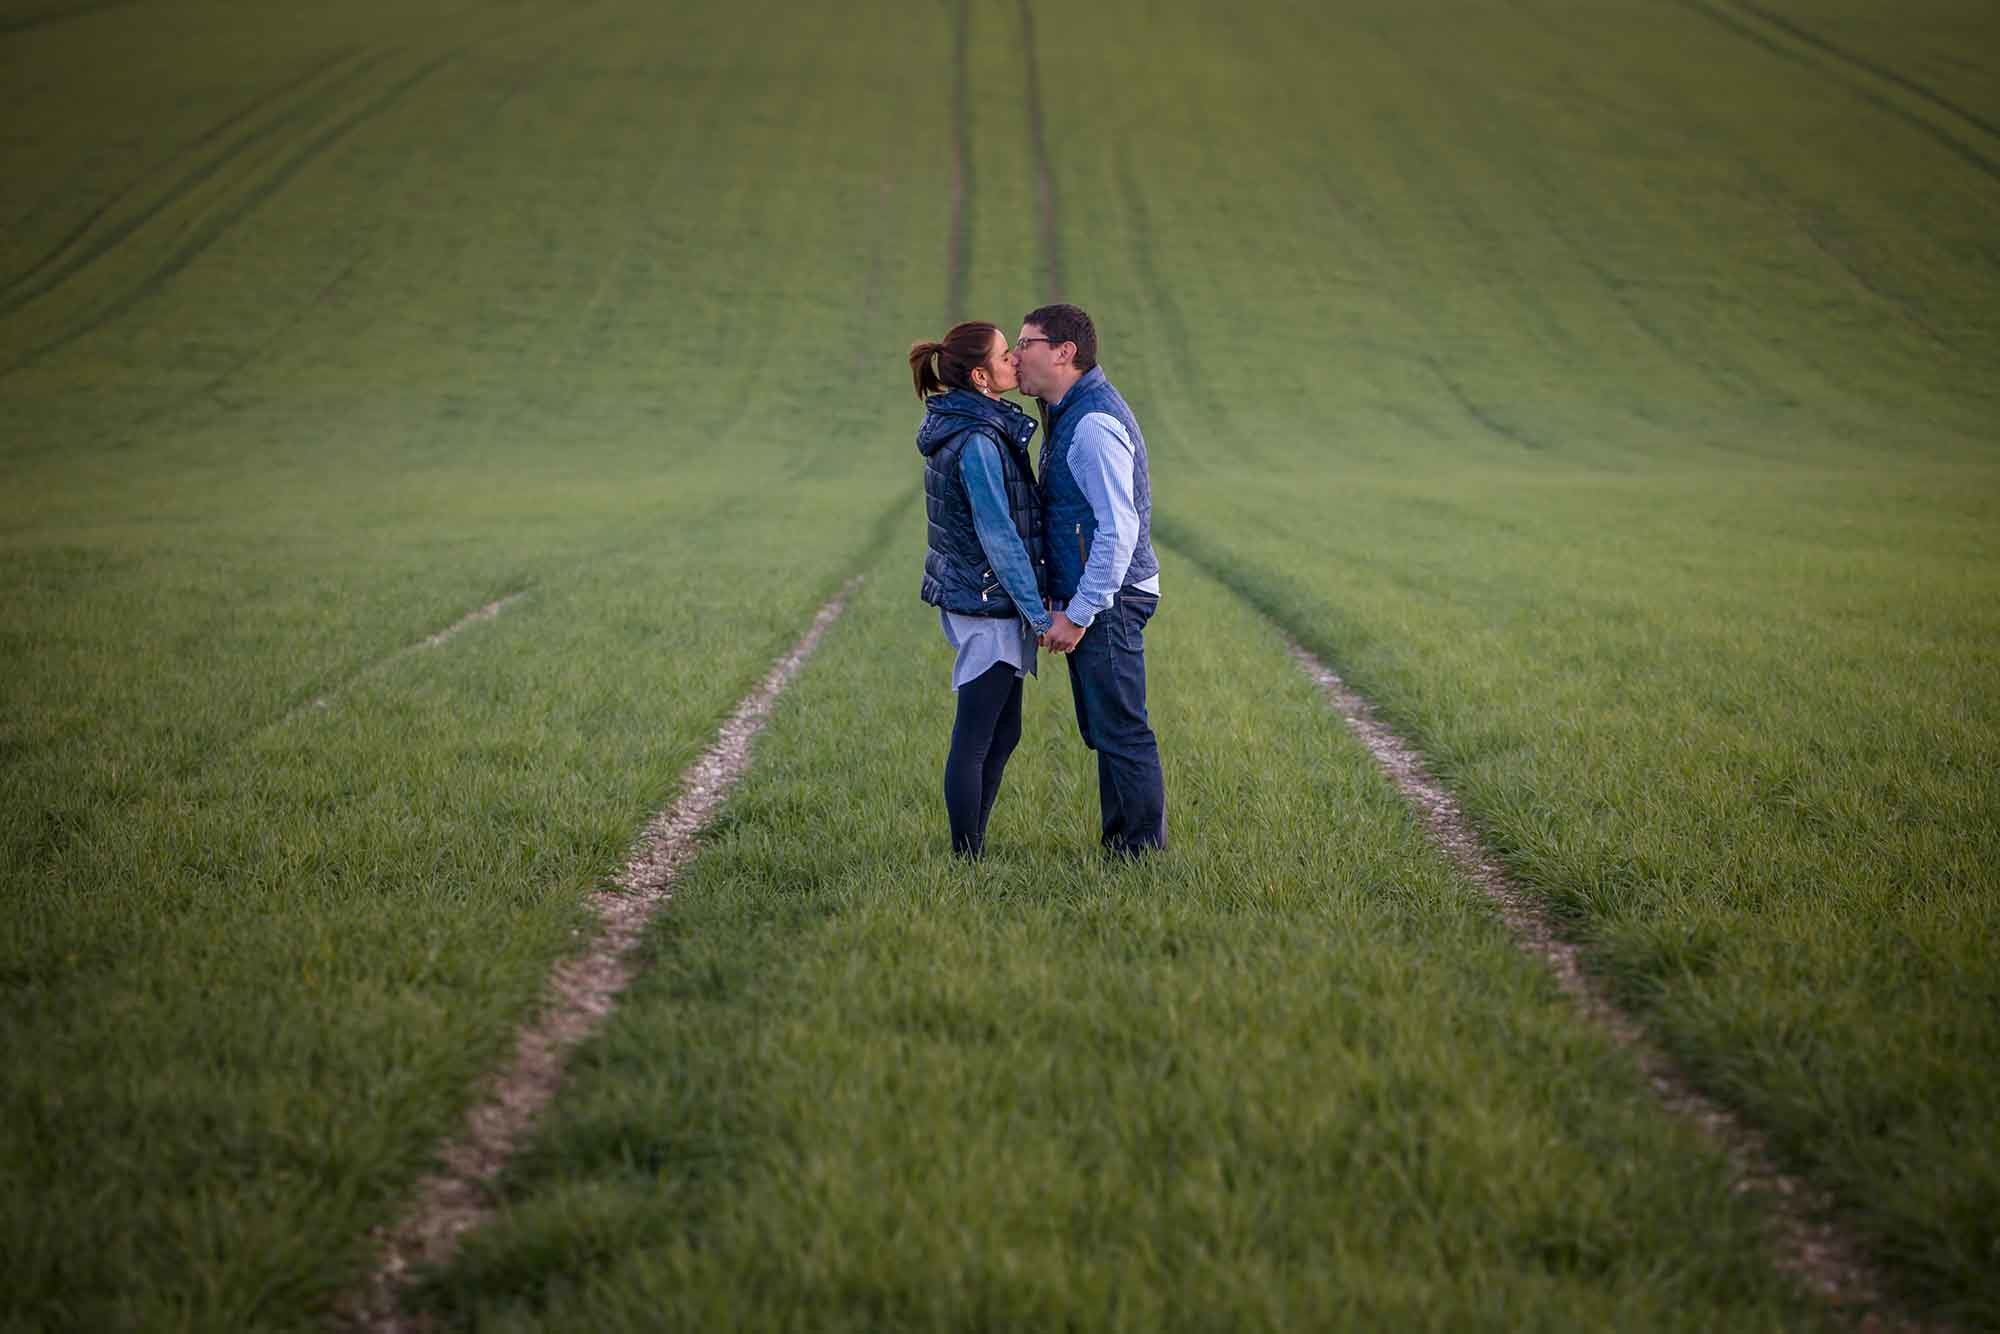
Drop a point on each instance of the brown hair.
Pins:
(964, 349)
(1065, 323)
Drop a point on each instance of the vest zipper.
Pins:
(1082, 556)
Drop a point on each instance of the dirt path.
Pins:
(437, 640)
(581, 993)
(1804, 1240)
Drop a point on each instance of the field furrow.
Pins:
(1291, 1075)
(59, 14)
(1966, 133)
(261, 969)
(1608, 393)
(134, 205)
(580, 993)
(1684, 697)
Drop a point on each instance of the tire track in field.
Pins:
(572, 347)
(1809, 1246)
(1845, 75)
(45, 19)
(582, 991)
(1038, 136)
(68, 257)
(437, 639)
(1806, 1242)
(276, 338)
(1880, 71)
(1558, 222)
(1472, 408)
(219, 223)
(1159, 292)
(324, 700)
(1816, 230)
(232, 741)
(958, 246)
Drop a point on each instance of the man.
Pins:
(1104, 581)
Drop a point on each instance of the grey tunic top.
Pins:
(982, 641)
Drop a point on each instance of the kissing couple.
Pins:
(1056, 556)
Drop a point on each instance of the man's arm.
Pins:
(993, 520)
(1101, 459)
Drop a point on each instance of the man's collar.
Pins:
(1094, 370)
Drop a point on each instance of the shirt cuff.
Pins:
(1081, 612)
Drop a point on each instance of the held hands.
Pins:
(1061, 636)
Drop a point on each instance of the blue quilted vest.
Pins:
(956, 574)
(1067, 515)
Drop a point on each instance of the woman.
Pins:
(984, 569)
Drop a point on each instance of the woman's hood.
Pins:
(956, 410)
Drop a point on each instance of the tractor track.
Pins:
(221, 221)
(1039, 137)
(324, 699)
(958, 243)
(323, 128)
(71, 256)
(437, 639)
(1846, 57)
(1842, 68)
(583, 990)
(51, 17)
(1806, 1242)
(581, 993)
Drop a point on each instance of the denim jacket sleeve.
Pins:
(1006, 553)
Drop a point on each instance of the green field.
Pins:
(1611, 393)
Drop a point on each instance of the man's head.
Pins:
(1057, 345)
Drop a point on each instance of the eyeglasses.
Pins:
(1020, 343)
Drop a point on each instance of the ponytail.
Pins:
(938, 366)
(922, 355)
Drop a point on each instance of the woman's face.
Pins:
(998, 372)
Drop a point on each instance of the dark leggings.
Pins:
(986, 731)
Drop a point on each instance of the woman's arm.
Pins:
(979, 466)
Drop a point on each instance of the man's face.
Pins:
(1035, 359)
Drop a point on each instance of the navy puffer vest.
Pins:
(1071, 522)
(957, 575)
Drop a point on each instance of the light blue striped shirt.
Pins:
(1101, 458)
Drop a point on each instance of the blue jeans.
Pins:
(1107, 679)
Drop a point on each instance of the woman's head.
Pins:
(972, 356)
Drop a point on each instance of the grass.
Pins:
(1607, 391)
(1289, 1075)
(255, 949)
(1623, 425)
(1741, 757)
